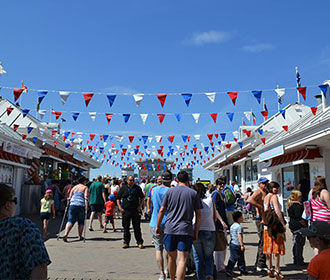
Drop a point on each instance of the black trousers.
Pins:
(261, 257)
(136, 221)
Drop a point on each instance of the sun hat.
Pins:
(262, 180)
(49, 191)
(317, 229)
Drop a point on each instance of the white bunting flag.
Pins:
(2, 70)
(196, 117)
(92, 115)
(178, 147)
(197, 137)
(138, 98)
(280, 94)
(158, 138)
(150, 139)
(248, 115)
(42, 113)
(236, 134)
(129, 146)
(144, 118)
(119, 138)
(211, 96)
(64, 96)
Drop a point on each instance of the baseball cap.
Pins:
(112, 197)
(49, 191)
(317, 229)
(262, 180)
(167, 176)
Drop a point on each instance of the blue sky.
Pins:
(162, 47)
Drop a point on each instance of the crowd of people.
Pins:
(189, 224)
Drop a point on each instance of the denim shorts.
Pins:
(77, 213)
(98, 208)
(45, 216)
(181, 243)
(157, 239)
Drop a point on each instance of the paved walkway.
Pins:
(102, 257)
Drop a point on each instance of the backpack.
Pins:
(228, 196)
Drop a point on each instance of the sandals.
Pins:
(270, 272)
(279, 275)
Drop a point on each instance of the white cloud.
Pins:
(208, 37)
(258, 48)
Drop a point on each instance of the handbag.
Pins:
(221, 241)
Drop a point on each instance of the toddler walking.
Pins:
(109, 206)
(46, 209)
(236, 246)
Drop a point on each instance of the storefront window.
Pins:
(6, 174)
(237, 175)
(248, 168)
(254, 172)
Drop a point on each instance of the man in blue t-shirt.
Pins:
(180, 202)
(156, 196)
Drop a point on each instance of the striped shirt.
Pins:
(321, 212)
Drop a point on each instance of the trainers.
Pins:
(167, 275)
(258, 268)
(141, 246)
(125, 246)
(101, 226)
(65, 238)
(229, 273)
(244, 273)
(90, 229)
(162, 277)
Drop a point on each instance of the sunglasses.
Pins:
(131, 180)
(14, 200)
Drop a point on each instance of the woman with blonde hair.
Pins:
(320, 200)
(296, 223)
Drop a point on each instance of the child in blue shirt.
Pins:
(236, 246)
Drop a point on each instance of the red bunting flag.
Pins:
(314, 109)
(16, 126)
(101, 137)
(286, 128)
(216, 135)
(228, 146)
(161, 118)
(233, 96)
(24, 136)
(185, 146)
(214, 117)
(171, 138)
(247, 132)
(92, 135)
(131, 138)
(87, 141)
(161, 147)
(73, 134)
(54, 132)
(108, 116)
(90, 147)
(87, 96)
(195, 150)
(9, 110)
(124, 151)
(159, 151)
(210, 136)
(57, 114)
(302, 91)
(162, 98)
(17, 93)
(55, 143)
(137, 147)
(263, 140)
(188, 138)
(24, 87)
(265, 114)
(235, 139)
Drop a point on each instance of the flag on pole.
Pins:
(298, 77)
(2, 70)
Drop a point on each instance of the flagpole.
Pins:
(298, 84)
(278, 103)
(251, 117)
(264, 102)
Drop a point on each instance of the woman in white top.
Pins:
(205, 244)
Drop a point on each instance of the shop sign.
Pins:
(271, 153)
(6, 174)
(16, 149)
(78, 157)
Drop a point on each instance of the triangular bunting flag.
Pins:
(34, 139)
(88, 97)
(41, 96)
(210, 96)
(230, 116)
(261, 131)
(314, 109)
(161, 118)
(144, 118)
(105, 137)
(210, 136)
(283, 113)
(286, 128)
(214, 117)
(126, 117)
(29, 129)
(24, 136)
(108, 117)
(57, 114)
(130, 138)
(302, 91)
(55, 143)
(257, 95)
(265, 114)
(280, 94)
(324, 89)
(17, 93)
(9, 110)
(240, 144)
(158, 138)
(25, 112)
(223, 136)
(233, 96)
(42, 113)
(16, 126)
(64, 96)
(162, 98)
(145, 139)
(171, 138)
(187, 98)
(197, 137)
(92, 135)
(75, 115)
(138, 98)
(184, 138)
(111, 99)
(228, 146)
(196, 117)
(92, 115)
(263, 140)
